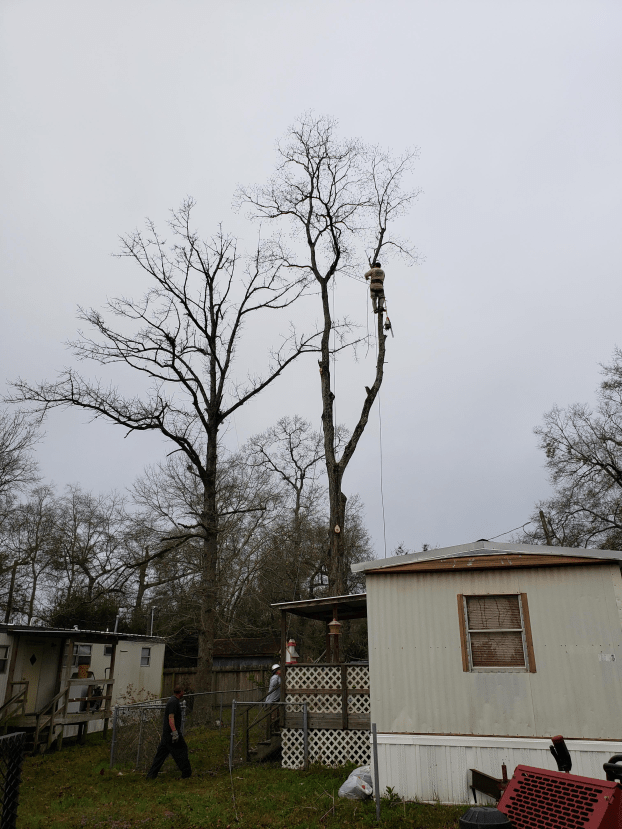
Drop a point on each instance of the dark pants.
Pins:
(179, 753)
(377, 295)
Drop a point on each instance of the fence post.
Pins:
(305, 735)
(232, 741)
(115, 716)
(374, 741)
(220, 717)
(140, 736)
(246, 736)
(344, 697)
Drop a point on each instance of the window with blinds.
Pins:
(494, 632)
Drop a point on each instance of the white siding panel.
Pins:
(439, 771)
(416, 676)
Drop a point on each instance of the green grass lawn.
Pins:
(75, 788)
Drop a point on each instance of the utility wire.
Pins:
(510, 531)
(384, 523)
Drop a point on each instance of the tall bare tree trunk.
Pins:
(337, 565)
(209, 570)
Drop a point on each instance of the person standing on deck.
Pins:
(274, 688)
(376, 286)
(172, 741)
(274, 692)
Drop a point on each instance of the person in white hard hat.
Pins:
(274, 693)
(274, 689)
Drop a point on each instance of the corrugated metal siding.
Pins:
(440, 772)
(417, 681)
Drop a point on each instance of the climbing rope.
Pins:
(384, 522)
(334, 375)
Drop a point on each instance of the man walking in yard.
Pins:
(172, 741)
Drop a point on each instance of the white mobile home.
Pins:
(480, 653)
(57, 682)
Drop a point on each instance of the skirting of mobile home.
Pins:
(436, 769)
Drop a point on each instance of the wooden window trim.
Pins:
(463, 637)
(531, 658)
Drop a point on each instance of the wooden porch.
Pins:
(46, 724)
(336, 693)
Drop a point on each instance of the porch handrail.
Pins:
(40, 723)
(47, 715)
(4, 710)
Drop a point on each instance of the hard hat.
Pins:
(275, 668)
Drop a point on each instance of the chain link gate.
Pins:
(137, 728)
(136, 733)
(11, 759)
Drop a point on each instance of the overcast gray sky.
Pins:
(114, 111)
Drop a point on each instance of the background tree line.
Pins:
(75, 558)
(583, 450)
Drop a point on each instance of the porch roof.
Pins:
(353, 606)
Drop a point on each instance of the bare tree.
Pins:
(184, 335)
(28, 541)
(340, 199)
(583, 449)
(292, 451)
(18, 436)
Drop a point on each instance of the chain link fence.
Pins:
(11, 759)
(137, 728)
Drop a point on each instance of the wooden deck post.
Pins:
(282, 717)
(344, 697)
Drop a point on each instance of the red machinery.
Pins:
(542, 799)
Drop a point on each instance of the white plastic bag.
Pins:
(358, 786)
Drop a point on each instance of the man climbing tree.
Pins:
(376, 286)
(340, 200)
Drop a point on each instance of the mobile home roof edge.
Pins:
(482, 548)
(41, 630)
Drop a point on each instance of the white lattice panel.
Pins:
(292, 748)
(358, 676)
(313, 676)
(317, 703)
(326, 746)
(358, 704)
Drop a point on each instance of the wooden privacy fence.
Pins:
(224, 680)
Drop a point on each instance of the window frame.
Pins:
(147, 656)
(77, 653)
(465, 638)
(4, 660)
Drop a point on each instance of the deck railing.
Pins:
(337, 696)
(55, 711)
(18, 700)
